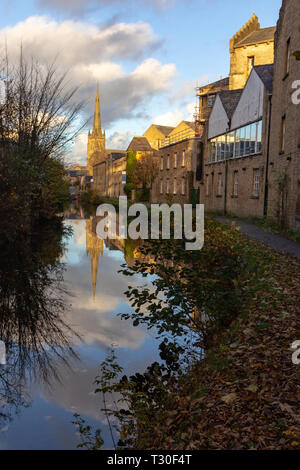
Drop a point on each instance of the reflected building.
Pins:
(94, 248)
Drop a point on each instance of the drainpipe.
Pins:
(225, 187)
(268, 158)
(226, 174)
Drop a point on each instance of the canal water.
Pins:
(61, 322)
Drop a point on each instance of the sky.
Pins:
(147, 55)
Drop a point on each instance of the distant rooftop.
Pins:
(265, 72)
(140, 144)
(261, 35)
(163, 129)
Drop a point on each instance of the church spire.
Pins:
(97, 117)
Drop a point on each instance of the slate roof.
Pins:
(230, 99)
(140, 144)
(219, 83)
(261, 35)
(265, 72)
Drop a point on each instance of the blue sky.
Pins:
(148, 55)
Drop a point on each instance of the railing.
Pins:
(178, 137)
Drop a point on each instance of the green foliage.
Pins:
(90, 198)
(130, 165)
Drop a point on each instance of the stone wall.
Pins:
(284, 170)
(181, 171)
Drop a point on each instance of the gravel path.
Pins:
(277, 242)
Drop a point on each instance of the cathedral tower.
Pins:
(96, 139)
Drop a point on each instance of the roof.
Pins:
(75, 173)
(190, 124)
(223, 82)
(261, 35)
(230, 99)
(265, 73)
(165, 130)
(139, 144)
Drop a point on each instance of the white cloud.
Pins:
(170, 118)
(93, 54)
(119, 140)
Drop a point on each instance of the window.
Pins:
(220, 184)
(162, 163)
(287, 56)
(183, 186)
(168, 187)
(259, 137)
(175, 186)
(161, 186)
(212, 150)
(250, 64)
(235, 183)
(211, 100)
(168, 162)
(207, 185)
(183, 158)
(256, 183)
(242, 142)
(230, 145)
(253, 132)
(282, 134)
(237, 143)
(247, 140)
(175, 160)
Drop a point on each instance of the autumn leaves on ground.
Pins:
(245, 393)
(226, 316)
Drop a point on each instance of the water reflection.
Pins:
(32, 304)
(57, 341)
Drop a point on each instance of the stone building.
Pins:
(250, 46)
(177, 166)
(235, 156)
(141, 146)
(156, 134)
(109, 174)
(284, 168)
(206, 97)
(96, 139)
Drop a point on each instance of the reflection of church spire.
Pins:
(94, 247)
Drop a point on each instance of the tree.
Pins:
(38, 113)
(39, 117)
(145, 171)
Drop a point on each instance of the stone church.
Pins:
(96, 139)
